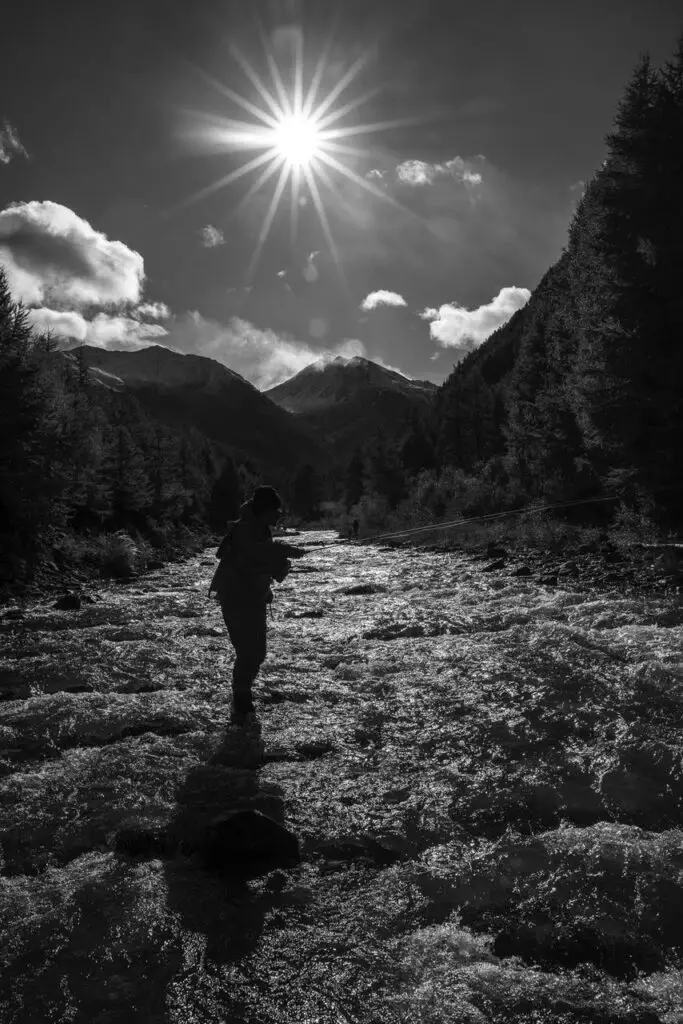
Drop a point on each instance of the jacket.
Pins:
(249, 560)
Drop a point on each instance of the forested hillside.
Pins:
(580, 392)
(81, 459)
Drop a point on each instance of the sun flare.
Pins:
(302, 139)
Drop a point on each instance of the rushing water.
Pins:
(494, 765)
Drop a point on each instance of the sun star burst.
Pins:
(302, 139)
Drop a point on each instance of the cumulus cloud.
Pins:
(382, 298)
(10, 143)
(417, 173)
(103, 330)
(51, 255)
(454, 326)
(263, 356)
(210, 236)
(153, 310)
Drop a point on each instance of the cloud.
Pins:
(211, 237)
(10, 143)
(153, 310)
(382, 298)
(417, 173)
(60, 323)
(454, 326)
(263, 356)
(103, 330)
(52, 255)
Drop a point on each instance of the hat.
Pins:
(266, 499)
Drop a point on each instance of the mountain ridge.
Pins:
(174, 387)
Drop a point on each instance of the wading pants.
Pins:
(246, 622)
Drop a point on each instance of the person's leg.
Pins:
(247, 631)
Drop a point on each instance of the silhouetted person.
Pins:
(249, 561)
(356, 526)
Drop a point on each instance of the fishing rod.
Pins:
(399, 534)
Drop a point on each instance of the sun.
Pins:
(299, 135)
(298, 139)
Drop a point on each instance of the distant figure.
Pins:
(249, 561)
(356, 526)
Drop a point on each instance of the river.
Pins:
(483, 773)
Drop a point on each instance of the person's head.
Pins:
(267, 505)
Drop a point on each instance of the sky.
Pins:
(464, 134)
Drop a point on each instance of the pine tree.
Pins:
(23, 492)
(354, 481)
(385, 473)
(131, 490)
(306, 493)
(625, 257)
(224, 502)
(417, 450)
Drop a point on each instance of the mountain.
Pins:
(346, 400)
(207, 395)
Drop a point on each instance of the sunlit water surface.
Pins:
(506, 757)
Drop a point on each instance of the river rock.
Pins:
(311, 749)
(364, 850)
(493, 566)
(246, 834)
(495, 551)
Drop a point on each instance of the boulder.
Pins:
(246, 834)
(494, 551)
(523, 570)
(314, 748)
(68, 603)
(493, 566)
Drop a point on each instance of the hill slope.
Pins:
(219, 402)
